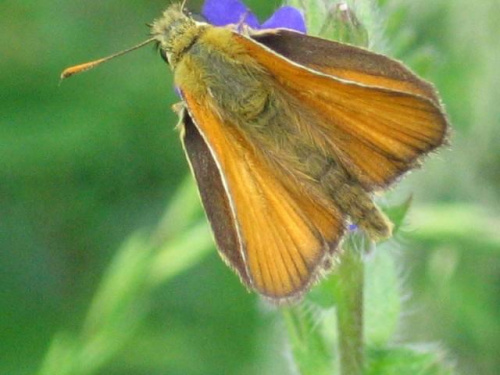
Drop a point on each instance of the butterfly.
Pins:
(288, 137)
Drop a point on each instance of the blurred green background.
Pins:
(86, 164)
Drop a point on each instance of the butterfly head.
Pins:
(175, 32)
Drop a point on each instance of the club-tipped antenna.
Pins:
(72, 70)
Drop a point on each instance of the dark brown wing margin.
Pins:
(213, 196)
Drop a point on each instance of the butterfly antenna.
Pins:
(68, 72)
(183, 4)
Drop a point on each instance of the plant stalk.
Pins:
(349, 304)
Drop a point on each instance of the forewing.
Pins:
(345, 61)
(285, 235)
(370, 112)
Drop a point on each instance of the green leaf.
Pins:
(310, 343)
(427, 360)
(314, 12)
(382, 297)
(397, 213)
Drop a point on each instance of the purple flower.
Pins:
(226, 12)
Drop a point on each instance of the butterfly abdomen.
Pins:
(355, 202)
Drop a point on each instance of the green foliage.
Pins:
(354, 332)
(397, 213)
(407, 361)
(312, 348)
(121, 303)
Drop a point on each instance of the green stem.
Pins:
(348, 292)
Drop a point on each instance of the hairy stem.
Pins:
(348, 292)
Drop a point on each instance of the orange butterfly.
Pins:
(288, 136)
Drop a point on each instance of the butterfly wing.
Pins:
(277, 238)
(371, 112)
(345, 61)
(213, 195)
(375, 119)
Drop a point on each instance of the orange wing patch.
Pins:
(377, 134)
(376, 126)
(285, 234)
